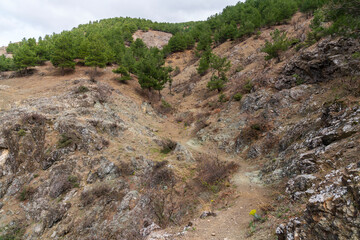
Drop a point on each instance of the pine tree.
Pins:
(97, 55)
(204, 63)
(62, 54)
(124, 73)
(151, 73)
(220, 66)
(24, 57)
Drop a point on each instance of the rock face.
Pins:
(62, 155)
(332, 211)
(153, 38)
(331, 59)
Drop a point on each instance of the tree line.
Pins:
(108, 41)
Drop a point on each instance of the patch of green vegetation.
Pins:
(222, 98)
(82, 89)
(299, 80)
(74, 181)
(64, 141)
(12, 232)
(256, 127)
(279, 44)
(21, 133)
(238, 97)
(165, 150)
(248, 86)
(25, 194)
(356, 55)
(165, 104)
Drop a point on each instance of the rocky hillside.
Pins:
(99, 159)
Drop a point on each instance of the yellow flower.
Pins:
(252, 212)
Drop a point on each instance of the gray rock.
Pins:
(332, 58)
(183, 154)
(107, 168)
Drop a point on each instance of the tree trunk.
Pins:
(62, 71)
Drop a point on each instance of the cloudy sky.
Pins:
(34, 18)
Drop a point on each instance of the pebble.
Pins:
(213, 234)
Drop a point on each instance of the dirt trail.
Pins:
(232, 222)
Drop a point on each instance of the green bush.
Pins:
(21, 133)
(64, 141)
(82, 89)
(248, 86)
(279, 43)
(238, 97)
(222, 98)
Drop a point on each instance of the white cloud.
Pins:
(23, 18)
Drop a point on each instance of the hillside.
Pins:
(141, 147)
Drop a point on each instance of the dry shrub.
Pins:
(266, 207)
(168, 146)
(33, 119)
(102, 191)
(187, 118)
(26, 193)
(126, 169)
(252, 132)
(162, 194)
(213, 171)
(162, 175)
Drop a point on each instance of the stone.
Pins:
(207, 214)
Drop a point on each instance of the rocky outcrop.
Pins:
(330, 59)
(332, 211)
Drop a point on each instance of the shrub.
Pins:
(213, 172)
(356, 55)
(237, 97)
(279, 43)
(103, 191)
(82, 89)
(165, 104)
(248, 86)
(222, 98)
(168, 146)
(33, 118)
(26, 193)
(74, 181)
(239, 68)
(21, 132)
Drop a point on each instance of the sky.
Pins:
(25, 18)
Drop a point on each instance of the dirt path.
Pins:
(232, 223)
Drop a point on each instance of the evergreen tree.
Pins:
(24, 57)
(204, 63)
(124, 73)
(220, 66)
(151, 73)
(280, 43)
(6, 64)
(62, 54)
(42, 50)
(97, 55)
(138, 47)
